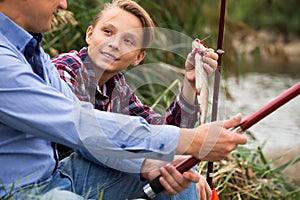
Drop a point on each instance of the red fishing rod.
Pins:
(155, 187)
(285, 97)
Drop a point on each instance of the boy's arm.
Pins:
(180, 113)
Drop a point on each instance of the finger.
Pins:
(212, 54)
(198, 189)
(192, 176)
(202, 194)
(181, 181)
(232, 122)
(168, 189)
(201, 191)
(239, 139)
(190, 61)
(210, 65)
(208, 192)
(212, 62)
(208, 68)
(174, 179)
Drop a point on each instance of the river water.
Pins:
(281, 129)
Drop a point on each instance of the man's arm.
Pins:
(48, 113)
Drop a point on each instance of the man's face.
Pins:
(115, 42)
(36, 16)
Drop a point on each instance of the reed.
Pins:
(247, 174)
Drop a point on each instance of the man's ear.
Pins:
(88, 34)
(139, 58)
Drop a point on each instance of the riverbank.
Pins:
(285, 155)
(248, 174)
(269, 49)
(279, 132)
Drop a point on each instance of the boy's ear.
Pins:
(139, 58)
(88, 34)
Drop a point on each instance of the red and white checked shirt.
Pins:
(75, 69)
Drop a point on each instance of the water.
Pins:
(281, 129)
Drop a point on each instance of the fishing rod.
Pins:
(209, 174)
(154, 187)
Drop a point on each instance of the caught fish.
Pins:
(201, 80)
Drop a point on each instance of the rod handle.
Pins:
(156, 185)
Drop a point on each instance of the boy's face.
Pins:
(116, 40)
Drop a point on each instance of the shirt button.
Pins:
(123, 146)
(161, 147)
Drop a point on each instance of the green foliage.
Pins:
(157, 90)
(192, 18)
(277, 15)
(248, 174)
(72, 36)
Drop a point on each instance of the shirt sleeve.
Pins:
(181, 113)
(132, 166)
(49, 110)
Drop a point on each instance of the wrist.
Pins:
(150, 168)
(189, 91)
(185, 144)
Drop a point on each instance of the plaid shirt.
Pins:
(116, 95)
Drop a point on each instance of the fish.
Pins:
(201, 80)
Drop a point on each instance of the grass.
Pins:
(247, 174)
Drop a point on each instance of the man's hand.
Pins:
(172, 180)
(211, 141)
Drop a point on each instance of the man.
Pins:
(39, 110)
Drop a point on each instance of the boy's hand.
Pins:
(210, 60)
(203, 189)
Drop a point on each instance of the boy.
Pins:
(118, 38)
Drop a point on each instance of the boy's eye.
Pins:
(107, 31)
(128, 41)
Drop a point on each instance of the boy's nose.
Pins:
(114, 43)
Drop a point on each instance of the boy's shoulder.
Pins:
(72, 59)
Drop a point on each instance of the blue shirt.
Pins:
(35, 111)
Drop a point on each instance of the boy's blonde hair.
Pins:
(134, 8)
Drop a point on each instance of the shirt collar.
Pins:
(15, 34)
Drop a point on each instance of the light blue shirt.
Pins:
(35, 112)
